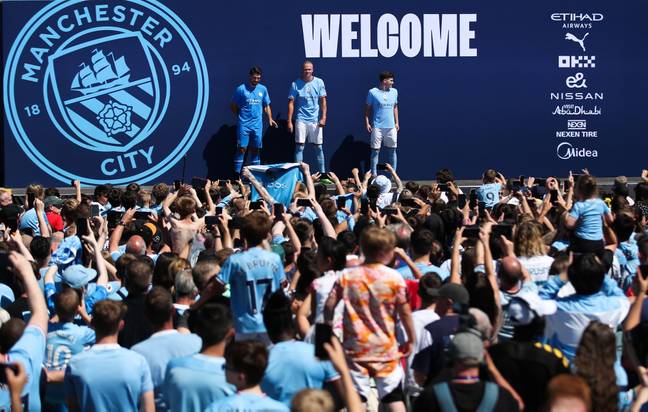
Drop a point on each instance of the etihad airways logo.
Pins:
(565, 151)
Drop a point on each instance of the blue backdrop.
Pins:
(554, 86)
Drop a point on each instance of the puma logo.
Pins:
(573, 38)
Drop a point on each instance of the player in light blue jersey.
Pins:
(245, 364)
(249, 102)
(108, 377)
(252, 275)
(64, 340)
(306, 97)
(29, 350)
(165, 343)
(194, 382)
(381, 119)
(489, 191)
(288, 354)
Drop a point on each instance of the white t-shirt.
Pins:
(537, 266)
(420, 319)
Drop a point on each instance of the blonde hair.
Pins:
(376, 242)
(312, 400)
(528, 240)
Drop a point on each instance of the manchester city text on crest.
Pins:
(100, 77)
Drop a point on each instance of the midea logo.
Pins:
(565, 151)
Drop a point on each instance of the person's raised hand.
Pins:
(585, 171)
(17, 380)
(336, 355)
(367, 175)
(128, 215)
(305, 167)
(458, 237)
(39, 205)
(507, 246)
(333, 177)
(641, 281)
(316, 176)
(530, 181)
(20, 263)
(400, 252)
(355, 171)
(485, 231)
(389, 168)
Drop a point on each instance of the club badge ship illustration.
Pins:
(104, 72)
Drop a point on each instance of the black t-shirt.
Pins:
(431, 360)
(136, 326)
(466, 396)
(20, 309)
(528, 367)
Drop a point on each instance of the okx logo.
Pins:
(105, 91)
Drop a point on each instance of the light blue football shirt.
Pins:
(489, 194)
(30, 351)
(407, 274)
(306, 96)
(382, 104)
(247, 402)
(29, 220)
(253, 275)
(194, 382)
(251, 101)
(159, 349)
(108, 377)
(306, 371)
(589, 215)
(64, 340)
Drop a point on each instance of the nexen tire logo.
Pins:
(277, 185)
(565, 151)
(89, 86)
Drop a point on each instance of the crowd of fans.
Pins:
(520, 294)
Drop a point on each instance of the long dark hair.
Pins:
(594, 362)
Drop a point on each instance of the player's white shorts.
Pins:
(378, 135)
(384, 385)
(308, 132)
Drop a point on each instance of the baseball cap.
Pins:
(467, 345)
(524, 307)
(77, 276)
(383, 183)
(53, 201)
(458, 293)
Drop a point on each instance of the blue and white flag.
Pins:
(278, 179)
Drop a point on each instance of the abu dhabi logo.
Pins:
(565, 151)
(581, 42)
(90, 87)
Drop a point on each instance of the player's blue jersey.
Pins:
(489, 194)
(382, 104)
(253, 275)
(65, 340)
(251, 101)
(306, 96)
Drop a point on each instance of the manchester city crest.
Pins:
(105, 91)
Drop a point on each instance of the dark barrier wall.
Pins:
(117, 91)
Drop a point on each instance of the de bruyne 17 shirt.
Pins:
(253, 276)
(382, 104)
(306, 96)
(251, 101)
